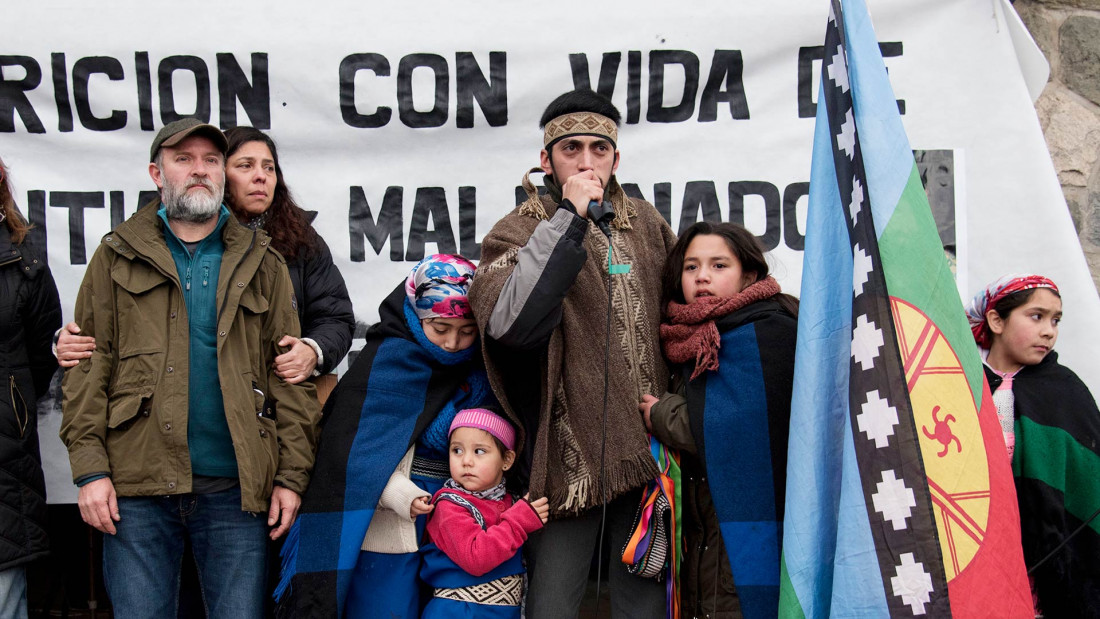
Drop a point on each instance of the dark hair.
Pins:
(12, 217)
(580, 100)
(1006, 305)
(744, 246)
(286, 224)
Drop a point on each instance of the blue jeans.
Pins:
(13, 593)
(141, 564)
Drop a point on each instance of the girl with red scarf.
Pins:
(730, 333)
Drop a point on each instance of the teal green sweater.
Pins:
(208, 439)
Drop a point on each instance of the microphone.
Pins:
(602, 214)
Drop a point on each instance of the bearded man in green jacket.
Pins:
(177, 426)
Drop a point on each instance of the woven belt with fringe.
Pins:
(506, 591)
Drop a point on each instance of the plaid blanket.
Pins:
(391, 393)
(740, 418)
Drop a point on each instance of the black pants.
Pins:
(559, 556)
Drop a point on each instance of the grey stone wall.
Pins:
(1068, 32)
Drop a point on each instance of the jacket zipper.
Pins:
(174, 276)
(13, 391)
(12, 260)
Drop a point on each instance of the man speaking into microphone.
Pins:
(544, 294)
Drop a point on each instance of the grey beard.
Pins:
(193, 208)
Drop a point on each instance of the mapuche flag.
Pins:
(900, 498)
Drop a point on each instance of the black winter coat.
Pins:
(707, 587)
(324, 308)
(1055, 468)
(30, 312)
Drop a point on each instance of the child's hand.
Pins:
(541, 507)
(420, 506)
(647, 403)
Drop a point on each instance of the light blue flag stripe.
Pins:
(827, 541)
(886, 153)
(827, 545)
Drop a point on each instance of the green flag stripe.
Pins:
(916, 271)
(1082, 500)
(789, 606)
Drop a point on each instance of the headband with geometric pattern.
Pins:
(580, 123)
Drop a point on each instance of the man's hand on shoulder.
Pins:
(284, 509)
(582, 188)
(99, 505)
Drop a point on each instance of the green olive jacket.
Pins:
(125, 410)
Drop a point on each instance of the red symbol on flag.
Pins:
(942, 432)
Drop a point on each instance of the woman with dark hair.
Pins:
(256, 192)
(258, 195)
(730, 334)
(741, 244)
(30, 311)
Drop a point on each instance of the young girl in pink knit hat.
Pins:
(473, 561)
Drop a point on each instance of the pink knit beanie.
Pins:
(484, 419)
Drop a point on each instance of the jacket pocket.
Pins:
(19, 407)
(259, 397)
(127, 405)
(253, 301)
(264, 435)
(248, 326)
(269, 459)
(139, 455)
(143, 304)
(137, 371)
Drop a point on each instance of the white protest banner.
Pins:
(409, 127)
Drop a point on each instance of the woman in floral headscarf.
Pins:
(1052, 430)
(383, 452)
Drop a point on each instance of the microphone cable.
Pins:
(603, 427)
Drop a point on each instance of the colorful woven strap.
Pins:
(653, 549)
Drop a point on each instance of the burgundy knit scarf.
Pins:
(688, 331)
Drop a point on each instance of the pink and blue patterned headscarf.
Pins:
(991, 295)
(437, 287)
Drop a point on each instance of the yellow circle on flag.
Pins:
(951, 442)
